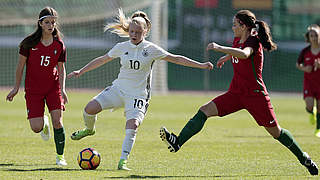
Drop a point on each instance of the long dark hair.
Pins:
(247, 18)
(34, 38)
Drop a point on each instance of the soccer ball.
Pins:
(89, 159)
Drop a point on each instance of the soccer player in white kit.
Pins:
(131, 89)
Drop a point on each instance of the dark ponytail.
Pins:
(248, 19)
(264, 35)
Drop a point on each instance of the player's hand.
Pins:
(11, 94)
(74, 74)
(220, 63)
(316, 64)
(212, 46)
(65, 97)
(207, 65)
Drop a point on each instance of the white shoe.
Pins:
(45, 133)
(60, 161)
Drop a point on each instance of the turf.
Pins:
(232, 147)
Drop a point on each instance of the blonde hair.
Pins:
(122, 23)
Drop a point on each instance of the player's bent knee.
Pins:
(93, 107)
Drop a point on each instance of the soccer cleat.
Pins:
(60, 161)
(45, 133)
(317, 132)
(310, 165)
(170, 139)
(122, 165)
(82, 133)
(313, 116)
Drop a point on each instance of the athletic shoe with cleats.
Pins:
(45, 133)
(60, 161)
(317, 133)
(313, 116)
(82, 133)
(310, 165)
(122, 165)
(170, 139)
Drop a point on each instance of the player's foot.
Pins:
(45, 133)
(60, 161)
(170, 139)
(317, 132)
(82, 133)
(310, 165)
(122, 165)
(313, 116)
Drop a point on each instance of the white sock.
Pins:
(89, 120)
(128, 143)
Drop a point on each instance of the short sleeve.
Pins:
(115, 51)
(252, 42)
(301, 55)
(24, 52)
(158, 52)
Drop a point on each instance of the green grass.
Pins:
(233, 147)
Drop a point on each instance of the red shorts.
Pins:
(259, 106)
(35, 103)
(310, 91)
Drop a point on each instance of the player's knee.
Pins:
(36, 128)
(92, 108)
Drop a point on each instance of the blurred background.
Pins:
(181, 26)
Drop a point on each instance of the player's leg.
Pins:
(261, 109)
(56, 107)
(59, 136)
(106, 99)
(286, 138)
(128, 142)
(226, 103)
(310, 109)
(135, 110)
(38, 121)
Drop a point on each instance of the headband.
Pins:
(47, 16)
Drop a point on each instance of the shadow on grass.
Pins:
(10, 164)
(159, 177)
(191, 177)
(41, 169)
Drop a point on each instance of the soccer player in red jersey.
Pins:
(308, 62)
(247, 89)
(44, 55)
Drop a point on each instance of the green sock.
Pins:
(59, 139)
(318, 120)
(194, 125)
(287, 140)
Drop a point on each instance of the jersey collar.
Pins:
(136, 46)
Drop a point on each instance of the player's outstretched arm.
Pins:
(19, 72)
(95, 63)
(182, 60)
(236, 52)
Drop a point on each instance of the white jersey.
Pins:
(136, 66)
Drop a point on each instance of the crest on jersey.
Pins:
(55, 52)
(145, 53)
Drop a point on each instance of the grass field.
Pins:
(233, 147)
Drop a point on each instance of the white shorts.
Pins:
(112, 98)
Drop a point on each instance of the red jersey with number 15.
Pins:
(247, 77)
(41, 72)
